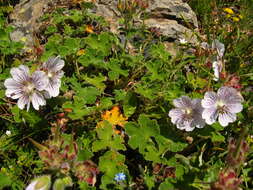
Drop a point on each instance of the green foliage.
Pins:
(133, 71)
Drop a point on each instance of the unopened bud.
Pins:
(40, 183)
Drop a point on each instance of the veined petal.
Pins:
(53, 64)
(22, 101)
(226, 118)
(234, 108)
(40, 80)
(11, 83)
(38, 100)
(58, 64)
(182, 102)
(53, 88)
(209, 100)
(20, 73)
(210, 115)
(175, 115)
(226, 92)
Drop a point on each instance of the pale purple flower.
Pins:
(187, 114)
(224, 105)
(53, 69)
(25, 87)
(217, 64)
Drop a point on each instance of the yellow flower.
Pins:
(228, 10)
(115, 118)
(89, 29)
(235, 19)
(80, 52)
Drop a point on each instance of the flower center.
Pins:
(29, 87)
(50, 74)
(220, 104)
(188, 111)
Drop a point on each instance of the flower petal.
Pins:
(225, 118)
(40, 80)
(209, 100)
(58, 64)
(210, 115)
(22, 101)
(186, 125)
(175, 115)
(53, 88)
(37, 100)
(54, 64)
(234, 108)
(20, 73)
(182, 102)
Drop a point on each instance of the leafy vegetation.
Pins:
(109, 128)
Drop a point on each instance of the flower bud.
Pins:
(40, 183)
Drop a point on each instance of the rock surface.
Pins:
(174, 18)
(24, 19)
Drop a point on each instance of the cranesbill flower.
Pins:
(120, 177)
(25, 87)
(53, 69)
(187, 114)
(224, 105)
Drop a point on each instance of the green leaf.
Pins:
(129, 104)
(97, 81)
(4, 181)
(107, 139)
(110, 164)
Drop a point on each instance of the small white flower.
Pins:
(53, 69)
(187, 114)
(217, 68)
(183, 41)
(40, 183)
(8, 133)
(224, 105)
(25, 87)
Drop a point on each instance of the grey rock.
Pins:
(174, 18)
(24, 19)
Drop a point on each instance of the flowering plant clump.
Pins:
(34, 88)
(222, 105)
(187, 114)
(148, 96)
